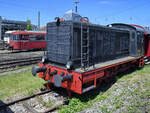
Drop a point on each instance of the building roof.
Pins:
(29, 33)
(13, 22)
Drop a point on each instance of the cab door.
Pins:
(140, 43)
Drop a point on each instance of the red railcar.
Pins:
(26, 40)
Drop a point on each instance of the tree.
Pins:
(29, 26)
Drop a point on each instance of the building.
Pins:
(6, 25)
(43, 28)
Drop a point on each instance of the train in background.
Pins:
(81, 55)
(25, 40)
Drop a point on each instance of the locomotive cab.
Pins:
(137, 37)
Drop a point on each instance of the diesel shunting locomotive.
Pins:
(80, 55)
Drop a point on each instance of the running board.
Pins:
(88, 89)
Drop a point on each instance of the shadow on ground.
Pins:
(4, 110)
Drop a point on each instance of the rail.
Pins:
(12, 64)
(28, 107)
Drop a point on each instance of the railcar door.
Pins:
(25, 42)
(14, 42)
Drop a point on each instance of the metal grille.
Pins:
(58, 43)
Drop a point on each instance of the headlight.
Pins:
(69, 65)
(44, 59)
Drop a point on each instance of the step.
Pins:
(88, 89)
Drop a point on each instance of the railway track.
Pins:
(28, 108)
(12, 64)
(7, 52)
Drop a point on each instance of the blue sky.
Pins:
(99, 11)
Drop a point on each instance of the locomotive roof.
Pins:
(71, 15)
(29, 33)
(131, 27)
(146, 31)
(122, 25)
(141, 28)
(128, 26)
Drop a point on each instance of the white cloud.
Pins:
(104, 2)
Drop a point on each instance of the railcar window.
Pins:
(25, 37)
(7, 35)
(37, 37)
(15, 37)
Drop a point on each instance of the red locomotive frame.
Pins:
(88, 80)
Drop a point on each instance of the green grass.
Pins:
(19, 83)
